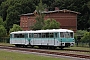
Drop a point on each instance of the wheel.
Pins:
(32, 46)
(16, 45)
(54, 47)
(24, 46)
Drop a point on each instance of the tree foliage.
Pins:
(1, 21)
(39, 17)
(79, 34)
(86, 37)
(76, 5)
(15, 28)
(3, 31)
(88, 4)
(51, 24)
(11, 9)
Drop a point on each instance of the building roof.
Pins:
(47, 12)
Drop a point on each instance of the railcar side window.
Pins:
(51, 35)
(39, 35)
(47, 35)
(43, 35)
(35, 35)
(62, 34)
(19, 35)
(16, 35)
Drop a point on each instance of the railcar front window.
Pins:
(71, 34)
(67, 35)
(62, 34)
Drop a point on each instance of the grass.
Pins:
(4, 55)
(6, 44)
(80, 48)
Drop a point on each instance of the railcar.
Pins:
(43, 38)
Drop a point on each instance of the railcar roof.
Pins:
(43, 31)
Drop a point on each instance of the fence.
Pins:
(82, 44)
(4, 40)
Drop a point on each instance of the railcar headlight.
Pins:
(61, 40)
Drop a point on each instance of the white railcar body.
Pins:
(53, 37)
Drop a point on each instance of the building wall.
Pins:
(67, 20)
(26, 22)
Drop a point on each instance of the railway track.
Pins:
(77, 50)
(59, 49)
(47, 52)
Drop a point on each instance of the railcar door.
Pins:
(56, 37)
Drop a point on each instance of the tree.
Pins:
(51, 24)
(1, 21)
(74, 5)
(11, 9)
(88, 4)
(3, 31)
(79, 34)
(15, 28)
(39, 17)
(86, 37)
(2, 1)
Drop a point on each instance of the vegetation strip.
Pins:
(48, 52)
(77, 50)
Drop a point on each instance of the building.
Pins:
(67, 18)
